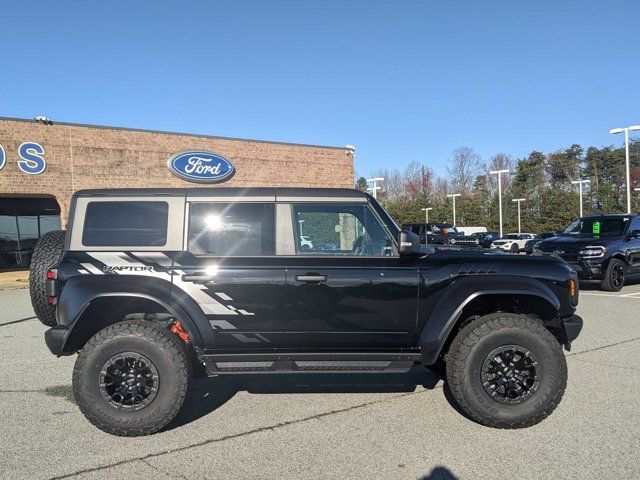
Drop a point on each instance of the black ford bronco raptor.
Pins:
(149, 285)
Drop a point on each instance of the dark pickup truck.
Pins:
(441, 234)
(150, 286)
(603, 249)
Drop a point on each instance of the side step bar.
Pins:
(219, 364)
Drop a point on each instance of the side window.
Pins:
(339, 229)
(134, 224)
(635, 224)
(232, 229)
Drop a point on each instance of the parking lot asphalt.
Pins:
(329, 426)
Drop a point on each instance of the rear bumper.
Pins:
(55, 338)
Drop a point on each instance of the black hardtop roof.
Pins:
(226, 192)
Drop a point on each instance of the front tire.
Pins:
(615, 276)
(131, 378)
(506, 371)
(515, 248)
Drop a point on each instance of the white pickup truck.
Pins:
(513, 242)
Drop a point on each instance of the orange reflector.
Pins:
(572, 288)
(178, 329)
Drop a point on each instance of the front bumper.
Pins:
(570, 328)
(55, 338)
(588, 270)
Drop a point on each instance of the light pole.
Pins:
(453, 196)
(519, 200)
(426, 214)
(499, 173)
(375, 188)
(301, 222)
(626, 149)
(580, 183)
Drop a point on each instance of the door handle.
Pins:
(198, 278)
(312, 278)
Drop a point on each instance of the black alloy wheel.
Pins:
(509, 374)
(129, 381)
(615, 276)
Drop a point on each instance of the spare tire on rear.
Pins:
(46, 255)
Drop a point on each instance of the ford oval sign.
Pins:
(201, 167)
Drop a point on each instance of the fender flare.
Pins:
(72, 307)
(460, 293)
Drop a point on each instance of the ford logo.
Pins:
(201, 167)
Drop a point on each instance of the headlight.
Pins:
(536, 247)
(593, 252)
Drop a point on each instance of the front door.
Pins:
(230, 270)
(346, 287)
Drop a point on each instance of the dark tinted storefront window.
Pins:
(20, 231)
(223, 229)
(135, 224)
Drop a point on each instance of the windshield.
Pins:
(512, 236)
(596, 227)
(444, 228)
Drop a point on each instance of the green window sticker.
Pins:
(596, 228)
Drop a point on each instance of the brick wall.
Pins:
(80, 157)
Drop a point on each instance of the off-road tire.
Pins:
(471, 347)
(608, 283)
(46, 255)
(153, 341)
(514, 248)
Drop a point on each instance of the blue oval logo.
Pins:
(201, 167)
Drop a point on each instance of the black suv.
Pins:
(601, 248)
(149, 286)
(440, 234)
(485, 239)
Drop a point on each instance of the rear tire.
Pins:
(46, 255)
(154, 381)
(501, 389)
(615, 276)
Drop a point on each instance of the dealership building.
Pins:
(42, 163)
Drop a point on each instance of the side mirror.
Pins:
(409, 243)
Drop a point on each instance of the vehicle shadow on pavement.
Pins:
(440, 473)
(208, 394)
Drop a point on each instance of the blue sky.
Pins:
(401, 81)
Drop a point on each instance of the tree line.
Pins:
(543, 179)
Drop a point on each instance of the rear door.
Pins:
(351, 290)
(230, 269)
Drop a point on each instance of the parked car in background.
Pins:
(442, 234)
(432, 233)
(305, 243)
(486, 239)
(528, 247)
(513, 242)
(601, 248)
(471, 230)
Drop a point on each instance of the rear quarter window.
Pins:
(136, 224)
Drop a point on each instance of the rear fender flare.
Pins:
(460, 293)
(78, 295)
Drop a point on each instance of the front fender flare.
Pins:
(460, 293)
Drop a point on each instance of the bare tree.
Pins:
(463, 167)
(500, 161)
(418, 180)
